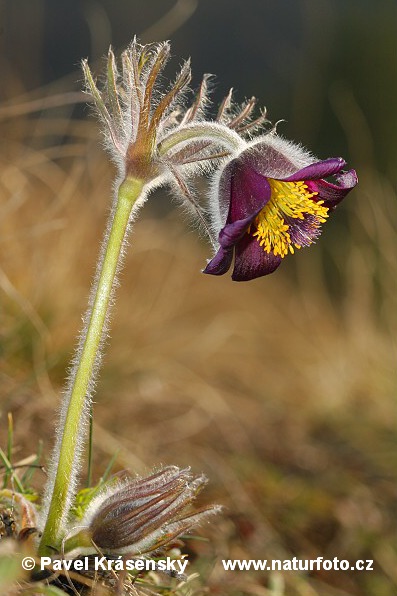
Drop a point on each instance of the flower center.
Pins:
(290, 219)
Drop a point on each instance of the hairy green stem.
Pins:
(84, 371)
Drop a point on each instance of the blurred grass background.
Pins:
(281, 390)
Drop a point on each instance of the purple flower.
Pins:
(271, 199)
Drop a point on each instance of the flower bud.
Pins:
(142, 515)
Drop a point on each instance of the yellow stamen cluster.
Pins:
(290, 200)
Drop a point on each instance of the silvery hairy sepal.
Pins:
(140, 516)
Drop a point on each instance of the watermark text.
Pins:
(295, 564)
(97, 563)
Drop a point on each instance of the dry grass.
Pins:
(281, 390)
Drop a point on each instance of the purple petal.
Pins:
(233, 232)
(249, 192)
(252, 261)
(221, 262)
(228, 237)
(332, 194)
(320, 169)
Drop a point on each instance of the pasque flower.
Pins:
(270, 196)
(140, 516)
(269, 200)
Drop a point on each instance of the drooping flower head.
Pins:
(269, 200)
(271, 196)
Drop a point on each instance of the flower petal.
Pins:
(233, 232)
(221, 262)
(320, 169)
(249, 192)
(332, 194)
(229, 236)
(252, 261)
